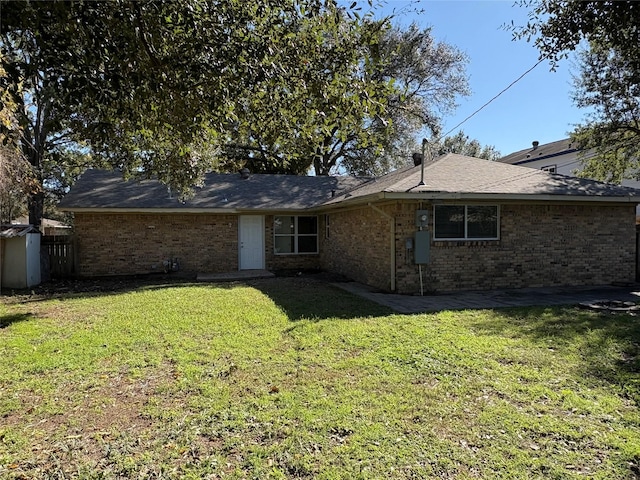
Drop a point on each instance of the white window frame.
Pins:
(295, 235)
(466, 230)
(550, 168)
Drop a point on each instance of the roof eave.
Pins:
(145, 210)
(187, 210)
(509, 197)
(347, 202)
(363, 200)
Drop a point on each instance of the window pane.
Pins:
(284, 244)
(307, 225)
(308, 244)
(449, 221)
(482, 221)
(284, 224)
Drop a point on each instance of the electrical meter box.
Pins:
(422, 218)
(422, 246)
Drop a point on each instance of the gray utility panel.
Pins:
(422, 245)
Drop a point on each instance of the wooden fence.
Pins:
(61, 252)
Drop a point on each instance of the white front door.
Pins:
(251, 240)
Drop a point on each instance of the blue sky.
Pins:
(538, 107)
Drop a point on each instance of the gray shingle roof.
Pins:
(450, 176)
(106, 190)
(458, 174)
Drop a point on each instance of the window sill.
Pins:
(466, 243)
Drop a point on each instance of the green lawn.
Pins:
(292, 378)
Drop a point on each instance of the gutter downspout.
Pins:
(392, 244)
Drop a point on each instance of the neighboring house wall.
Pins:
(357, 244)
(565, 164)
(568, 164)
(539, 245)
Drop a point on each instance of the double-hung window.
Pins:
(295, 234)
(466, 222)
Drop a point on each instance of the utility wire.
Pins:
(490, 101)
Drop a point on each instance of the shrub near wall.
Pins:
(127, 244)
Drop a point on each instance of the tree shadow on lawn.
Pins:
(300, 297)
(98, 287)
(609, 344)
(11, 318)
(308, 298)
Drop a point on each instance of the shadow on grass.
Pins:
(299, 297)
(88, 288)
(609, 344)
(10, 319)
(311, 299)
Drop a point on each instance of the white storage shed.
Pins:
(19, 256)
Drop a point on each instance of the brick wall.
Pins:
(126, 244)
(358, 245)
(540, 245)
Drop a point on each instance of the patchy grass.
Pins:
(292, 378)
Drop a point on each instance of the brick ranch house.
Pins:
(473, 224)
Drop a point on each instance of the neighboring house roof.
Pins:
(99, 189)
(541, 152)
(455, 176)
(46, 223)
(450, 177)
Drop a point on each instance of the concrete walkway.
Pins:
(523, 297)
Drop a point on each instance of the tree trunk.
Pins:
(317, 165)
(36, 199)
(323, 161)
(36, 209)
(33, 149)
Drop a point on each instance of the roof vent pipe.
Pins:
(245, 173)
(535, 144)
(333, 193)
(424, 146)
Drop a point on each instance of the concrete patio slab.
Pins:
(524, 297)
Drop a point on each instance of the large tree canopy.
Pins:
(428, 77)
(149, 87)
(608, 85)
(557, 27)
(608, 82)
(175, 89)
(17, 181)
